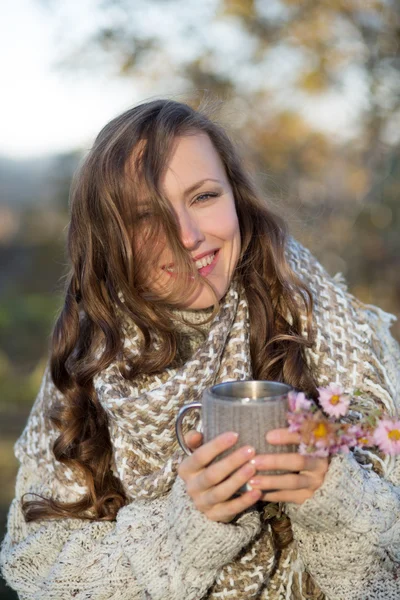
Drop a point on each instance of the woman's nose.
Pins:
(191, 234)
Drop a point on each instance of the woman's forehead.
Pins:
(192, 159)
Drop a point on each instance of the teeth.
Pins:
(203, 262)
(206, 260)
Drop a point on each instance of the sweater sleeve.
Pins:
(348, 533)
(163, 547)
(159, 549)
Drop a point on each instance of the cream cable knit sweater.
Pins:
(348, 533)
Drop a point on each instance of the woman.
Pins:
(181, 277)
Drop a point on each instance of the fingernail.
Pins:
(273, 436)
(255, 493)
(257, 461)
(255, 481)
(231, 436)
(248, 451)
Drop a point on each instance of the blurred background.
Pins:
(310, 90)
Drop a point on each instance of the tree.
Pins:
(278, 65)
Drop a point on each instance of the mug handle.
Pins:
(178, 425)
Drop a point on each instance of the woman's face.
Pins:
(197, 187)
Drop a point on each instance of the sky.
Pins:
(46, 110)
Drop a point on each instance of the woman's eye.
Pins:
(144, 215)
(206, 196)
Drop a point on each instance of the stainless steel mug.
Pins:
(251, 408)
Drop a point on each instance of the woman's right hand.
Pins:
(212, 486)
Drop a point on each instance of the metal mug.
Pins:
(251, 408)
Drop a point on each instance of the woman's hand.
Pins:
(212, 486)
(308, 472)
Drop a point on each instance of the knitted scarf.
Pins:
(142, 412)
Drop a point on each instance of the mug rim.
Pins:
(248, 399)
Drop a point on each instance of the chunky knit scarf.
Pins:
(142, 412)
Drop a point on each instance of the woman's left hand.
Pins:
(308, 472)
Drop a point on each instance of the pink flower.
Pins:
(317, 433)
(332, 399)
(313, 451)
(296, 420)
(360, 436)
(294, 426)
(298, 401)
(387, 436)
(316, 451)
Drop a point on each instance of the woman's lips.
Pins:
(204, 271)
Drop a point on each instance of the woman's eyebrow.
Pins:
(146, 201)
(195, 186)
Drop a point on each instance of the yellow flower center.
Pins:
(363, 440)
(320, 431)
(335, 399)
(394, 435)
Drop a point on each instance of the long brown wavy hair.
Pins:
(108, 281)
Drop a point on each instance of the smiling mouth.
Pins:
(201, 263)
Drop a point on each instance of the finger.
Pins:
(206, 453)
(222, 469)
(285, 461)
(227, 511)
(225, 490)
(283, 436)
(194, 439)
(282, 482)
(322, 465)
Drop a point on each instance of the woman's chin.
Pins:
(203, 298)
